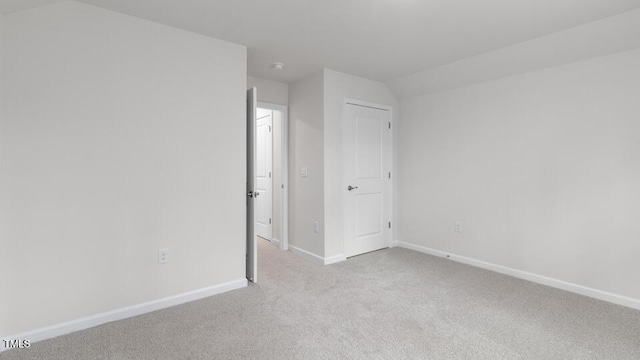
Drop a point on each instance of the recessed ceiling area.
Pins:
(377, 39)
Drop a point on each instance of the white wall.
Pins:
(542, 168)
(337, 87)
(121, 137)
(306, 194)
(269, 91)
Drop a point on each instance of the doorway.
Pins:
(279, 217)
(264, 193)
(271, 210)
(367, 177)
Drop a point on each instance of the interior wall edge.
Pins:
(608, 36)
(306, 254)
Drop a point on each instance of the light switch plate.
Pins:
(304, 172)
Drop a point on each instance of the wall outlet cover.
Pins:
(163, 256)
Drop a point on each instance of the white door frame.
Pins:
(284, 242)
(391, 167)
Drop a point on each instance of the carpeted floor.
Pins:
(390, 304)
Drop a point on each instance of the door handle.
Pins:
(250, 194)
(351, 188)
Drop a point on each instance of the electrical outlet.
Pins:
(457, 226)
(316, 227)
(163, 256)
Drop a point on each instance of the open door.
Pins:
(252, 244)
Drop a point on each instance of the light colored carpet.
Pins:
(390, 304)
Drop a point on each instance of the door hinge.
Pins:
(269, 220)
(269, 174)
(389, 125)
(389, 224)
(389, 174)
(269, 128)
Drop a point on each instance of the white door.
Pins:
(264, 174)
(252, 245)
(367, 178)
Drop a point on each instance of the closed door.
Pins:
(264, 174)
(366, 178)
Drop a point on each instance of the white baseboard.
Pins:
(394, 244)
(304, 253)
(559, 284)
(275, 241)
(334, 259)
(422, 249)
(123, 313)
(317, 258)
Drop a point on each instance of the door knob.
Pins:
(250, 194)
(351, 188)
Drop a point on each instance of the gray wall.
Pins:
(1, 92)
(4, 304)
(542, 168)
(306, 199)
(120, 137)
(269, 91)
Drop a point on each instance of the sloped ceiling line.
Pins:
(414, 46)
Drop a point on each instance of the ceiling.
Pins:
(9, 6)
(377, 39)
